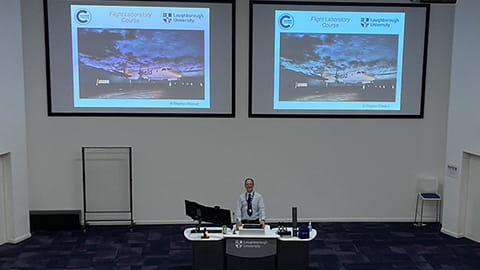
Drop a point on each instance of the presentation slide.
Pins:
(140, 57)
(332, 60)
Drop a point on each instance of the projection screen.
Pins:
(110, 58)
(337, 60)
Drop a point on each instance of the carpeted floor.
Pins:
(337, 246)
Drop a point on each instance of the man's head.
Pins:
(249, 184)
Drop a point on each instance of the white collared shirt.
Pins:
(258, 207)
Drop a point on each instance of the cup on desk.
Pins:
(303, 232)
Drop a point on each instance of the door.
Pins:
(472, 217)
(3, 204)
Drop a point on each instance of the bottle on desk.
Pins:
(310, 226)
(205, 234)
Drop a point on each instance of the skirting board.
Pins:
(275, 220)
(18, 239)
(452, 234)
(21, 238)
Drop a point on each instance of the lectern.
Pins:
(251, 251)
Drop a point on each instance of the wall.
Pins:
(12, 120)
(463, 122)
(332, 169)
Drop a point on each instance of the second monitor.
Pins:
(201, 213)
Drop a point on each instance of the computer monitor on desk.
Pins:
(201, 213)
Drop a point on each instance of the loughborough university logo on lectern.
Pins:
(238, 243)
(251, 247)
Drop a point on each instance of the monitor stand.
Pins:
(197, 227)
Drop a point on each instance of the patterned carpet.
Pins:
(337, 246)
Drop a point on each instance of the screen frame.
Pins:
(231, 102)
(419, 115)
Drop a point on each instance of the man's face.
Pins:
(249, 186)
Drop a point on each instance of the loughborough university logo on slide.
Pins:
(364, 22)
(167, 17)
(285, 21)
(83, 16)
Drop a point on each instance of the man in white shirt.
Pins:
(250, 206)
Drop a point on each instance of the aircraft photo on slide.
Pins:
(338, 67)
(141, 63)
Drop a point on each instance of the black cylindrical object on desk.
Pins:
(294, 221)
